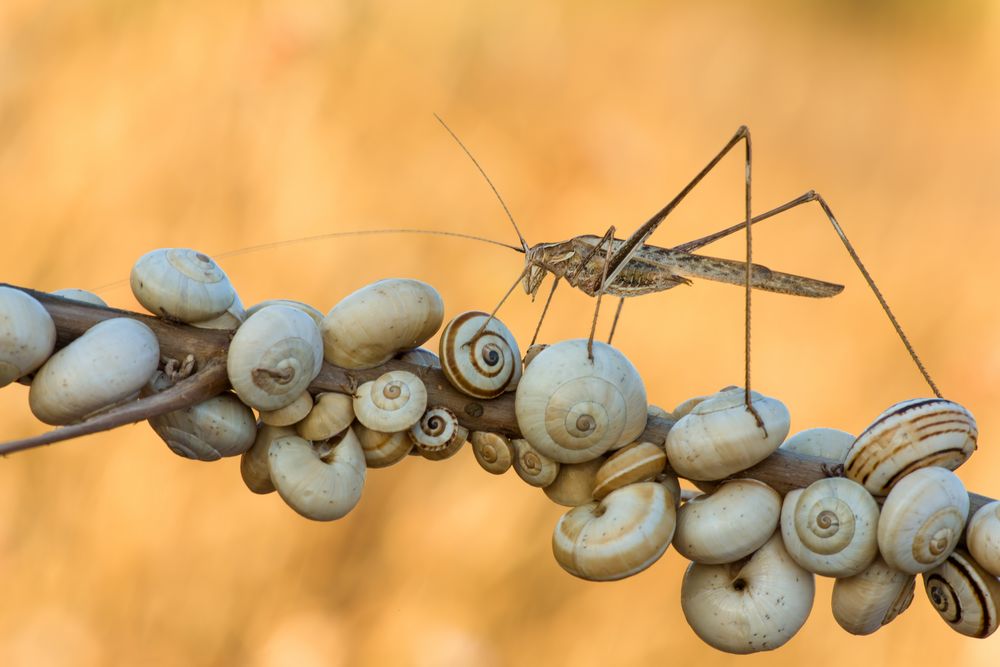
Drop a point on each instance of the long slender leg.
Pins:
(489, 319)
(614, 322)
(608, 237)
(545, 309)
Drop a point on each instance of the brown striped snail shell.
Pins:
(382, 449)
(392, 402)
(913, 434)
(965, 595)
(27, 334)
(983, 537)
(479, 355)
(638, 462)
(532, 466)
(181, 284)
(872, 598)
(574, 485)
(438, 435)
(493, 451)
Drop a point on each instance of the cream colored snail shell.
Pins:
(872, 598)
(181, 284)
(982, 537)
(253, 463)
(274, 356)
(369, 326)
(922, 520)
(910, 435)
(532, 352)
(965, 595)
(617, 537)
(330, 415)
(27, 334)
(321, 482)
(314, 313)
(392, 402)
(382, 449)
(574, 485)
(493, 451)
(109, 363)
(420, 357)
(831, 527)
(720, 437)
(532, 466)
(229, 320)
(687, 405)
(573, 409)
(479, 355)
(291, 414)
(755, 604)
(638, 462)
(220, 426)
(728, 524)
(81, 295)
(828, 443)
(438, 435)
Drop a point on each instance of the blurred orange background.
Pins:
(126, 126)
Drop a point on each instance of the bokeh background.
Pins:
(126, 126)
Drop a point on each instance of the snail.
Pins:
(330, 415)
(253, 463)
(910, 435)
(872, 598)
(316, 315)
(321, 481)
(181, 284)
(573, 409)
(109, 363)
(220, 426)
(754, 604)
(438, 435)
(479, 355)
(720, 437)
(493, 451)
(27, 334)
(382, 449)
(964, 594)
(532, 352)
(616, 537)
(829, 443)
(369, 326)
(638, 462)
(830, 527)
(81, 295)
(728, 524)
(532, 466)
(420, 357)
(230, 319)
(392, 402)
(291, 414)
(274, 356)
(982, 537)
(574, 484)
(922, 520)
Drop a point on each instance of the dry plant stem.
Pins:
(782, 470)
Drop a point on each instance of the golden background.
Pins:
(126, 126)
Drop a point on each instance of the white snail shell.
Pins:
(617, 537)
(574, 485)
(253, 464)
(922, 520)
(110, 362)
(330, 415)
(181, 284)
(314, 313)
(872, 598)
(291, 414)
(274, 356)
(913, 434)
(573, 409)
(27, 334)
(493, 451)
(638, 462)
(687, 405)
(965, 595)
(438, 435)
(982, 537)
(829, 443)
(369, 326)
(720, 437)
(420, 357)
(728, 524)
(382, 449)
(394, 401)
(479, 355)
(830, 527)
(220, 426)
(532, 466)
(229, 320)
(316, 481)
(81, 295)
(755, 604)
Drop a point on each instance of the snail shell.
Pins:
(532, 352)
(291, 414)
(573, 409)
(574, 485)
(369, 326)
(872, 598)
(720, 437)
(922, 520)
(274, 356)
(655, 411)
(479, 355)
(493, 451)
(315, 314)
(964, 594)
(420, 357)
(754, 604)
(394, 401)
(438, 435)
(382, 449)
(110, 362)
(729, 524)
(230, 320)
(253, 464)
(638, 462)
(220, 426)
(81, 295)
(617, 537)
(27, 334)
(913, 434)
(982, 537)
(532, 466)
(686, 406)
(321, 482)
(829, 443)
(181, 284)
(330, 415)
(830, 527)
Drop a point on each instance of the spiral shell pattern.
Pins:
(965, 595)
(493, 452)
(438, 435)
(910, 435)
(479, 355)
(872, 598)
(533, 467)
(394, 401)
